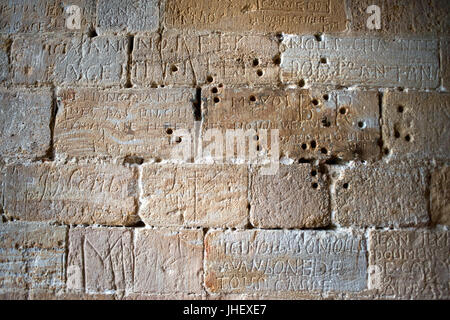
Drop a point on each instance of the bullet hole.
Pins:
(220, 85)
(258, 148)
(345, 185)
(128, 85)
(301, 83)
(279, 37)
(407, 138)
(342, 110)
(255, 62)
(326, 123)
(162, 86)
(400, 109)
(178, 139)
(304, 146)
(256, 138)
(174, 68)
(252, 98)
(313, 144)
(386, 151)
(315, 102)
(396, 134)
(314, 173)
(276, 60)
(259, 73)
(323, 60)
(303, 160)
(214, 90)
(324, 150)
(92, 33)
(361, 124)
(318, 37)
(154, 85)
(169, 131)
(315, 185)
(133, 160)
(209, 79)
(216, 100)
(326, 97)
(401, 89)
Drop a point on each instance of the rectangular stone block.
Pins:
(199, 58)
(24, 16)
(32, 258)
(415, 125)
(440, 196)
(121, 123)
(194, 195)
(168, 261)
(100, 260)
(296, 197)
(381, 195)
(63, 60)
(360, 61)
(25, 122)
(262, 16)
(409, 264)
(445, 63)
(127, 16)
(5, 45)
(312, 124)
(71, 194)
(284, 261)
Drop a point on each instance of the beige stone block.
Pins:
(284, 261)
(72, 194)
(296, 197)
(121, 123)
(409, 264)
(262, 16)
(194, 195)
(440, 196)
(416, 125)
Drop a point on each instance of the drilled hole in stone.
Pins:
(326, 97)
(209, 79)
(314, 173)
(304, 146)
(252, 98)
(407, 138)
(342, 110)
(386, 151)
(326, 123)
(313, 144)
(396, 134)
(345, 185)
(324, 150)
(323, 60)
(361, 124)
(258, 148)
(315, 185)
(301, 83)
(174, 68)
(400, 109)
(259, 73)
(169, 131)
(315, 102)
(216, 100)
(255, 62)
(318, 37)
(178, 139)
(220, 85)
(276, 60)
(214, 90)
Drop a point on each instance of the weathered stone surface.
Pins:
(263, 16)
(77, 60)
(270, 261)
(415, 125)
(361, 61)
(445, 63)
(71, 194)
(120, 123)
(313, 124)
(368, 195)
(296, 197)
(403, 17)
(25, 122)
(168, 261)
(24, 16)
(127, 15)
(409, 264)
(194, 195)
(5, 43)
(440, 196)
(100, 260)
(199, 58)
(32, 257)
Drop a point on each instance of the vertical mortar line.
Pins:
(66, 256)
(380, 121)
(440, 62)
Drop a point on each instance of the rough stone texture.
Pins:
(265, 262)
(199, 58)
(71, 194)
(313, 124)
(169, 261)
(121, 123)
(415, 125)
(5, 44)
(361, 61)
(410, 264)
(25, 122)
(194, 195)
(296, 197)
(367, 195)
(127, 15)
(32, 258)
(77, 60)
(440, 196)
(260, 16)
(445, 63)
(24, 16)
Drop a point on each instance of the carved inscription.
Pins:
(191, 58)
(275, 261)
(120, 123)
(440, 196)
(368, 61)
(410, 264)
(25, 123)
(257, 15)
(194, 195)
(445, 60)
(313, 124)
(4, 59)
(71, 194)
(416, 125)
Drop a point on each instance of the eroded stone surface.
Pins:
(4, 58)
(264, 16)
(361, 61)
(194, 195)
(70, 60)
(415, 125)
(71, 194)
(313, 124)
(275, 261)
(120, 123)
(445, 63)
(409, 264)
(368, 195)
(168, 261)
(25, 122)
(296, 197)
(191, 58)
(440, 196)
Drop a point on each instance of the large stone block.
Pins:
(71, 194)
(276, 261)
(445, 63)
(365, 61)
(440, 196)
(5, 44)
(194, 195)
(25, 122)
(121, 123)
